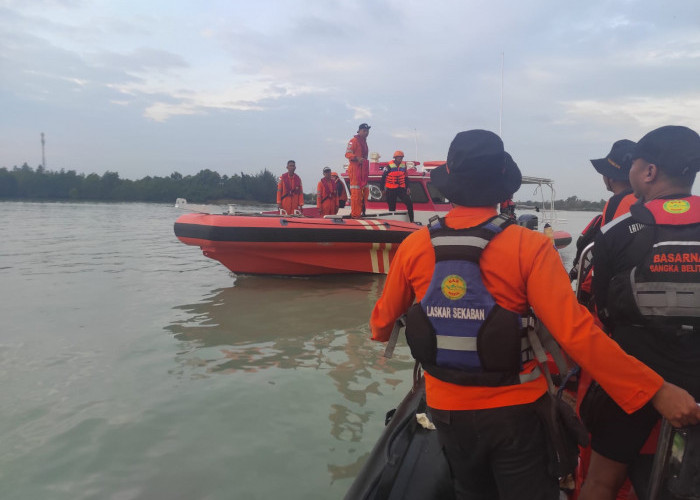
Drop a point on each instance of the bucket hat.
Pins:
(478, 171)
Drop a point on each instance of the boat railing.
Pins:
(545, 187)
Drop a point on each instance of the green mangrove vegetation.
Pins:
(26, 183)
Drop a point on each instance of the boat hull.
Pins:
(294, 246)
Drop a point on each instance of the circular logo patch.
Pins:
(676, 206)
(454, 287)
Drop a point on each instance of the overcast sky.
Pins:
(151, 87)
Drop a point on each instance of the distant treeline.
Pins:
(571, 203)
(25, 183)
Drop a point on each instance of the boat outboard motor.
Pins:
(676, 468)
(529, 221)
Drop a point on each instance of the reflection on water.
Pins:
(257, 309)
(317, 324)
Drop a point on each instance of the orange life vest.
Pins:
(396, 176)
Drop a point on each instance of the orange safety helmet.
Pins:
(334, 174)
(398, 152)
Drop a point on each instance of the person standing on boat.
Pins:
(489, 428)
(326, 194)
(342, 196)
(290, 196)
(646, 286)
(395, 184)
(358, 170)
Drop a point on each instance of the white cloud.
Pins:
(577, 76)
(645, 112)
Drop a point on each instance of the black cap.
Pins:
(363, 126)
(326, 169)
(674, 149)
(478, 171)
(618, 162)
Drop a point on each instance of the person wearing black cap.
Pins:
(358, 170)
(646, 286)
(473, 274)
(614, 168)
(326, 194)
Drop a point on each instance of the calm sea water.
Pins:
(132, 367)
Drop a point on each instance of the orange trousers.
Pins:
(290, 203)
(358, 197)
(329, 207)
(359, 190)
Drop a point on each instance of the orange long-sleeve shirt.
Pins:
(289, 192)
(519, 267)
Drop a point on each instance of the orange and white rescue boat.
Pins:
(305, 244)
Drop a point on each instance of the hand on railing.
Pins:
(676, 405)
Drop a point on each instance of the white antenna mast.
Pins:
(415, 137)
(500, 113)
(43, 157)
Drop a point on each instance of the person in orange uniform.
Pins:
(342, 196)
(326, 194)
(290, 196)
(395, 184)
(358, 170)
(492, 438)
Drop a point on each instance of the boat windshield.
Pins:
(436, 195)
(418, 194)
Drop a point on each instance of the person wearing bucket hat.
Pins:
(395, 184)
(358, 170)
(491, 433)
(646, 287)
(326, 194)
(478, 171)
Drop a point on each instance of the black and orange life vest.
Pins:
(663, 290)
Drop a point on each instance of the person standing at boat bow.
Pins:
(395, 184)
(326, 194)
(358, 170)
(484, 393)
(290, 196)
